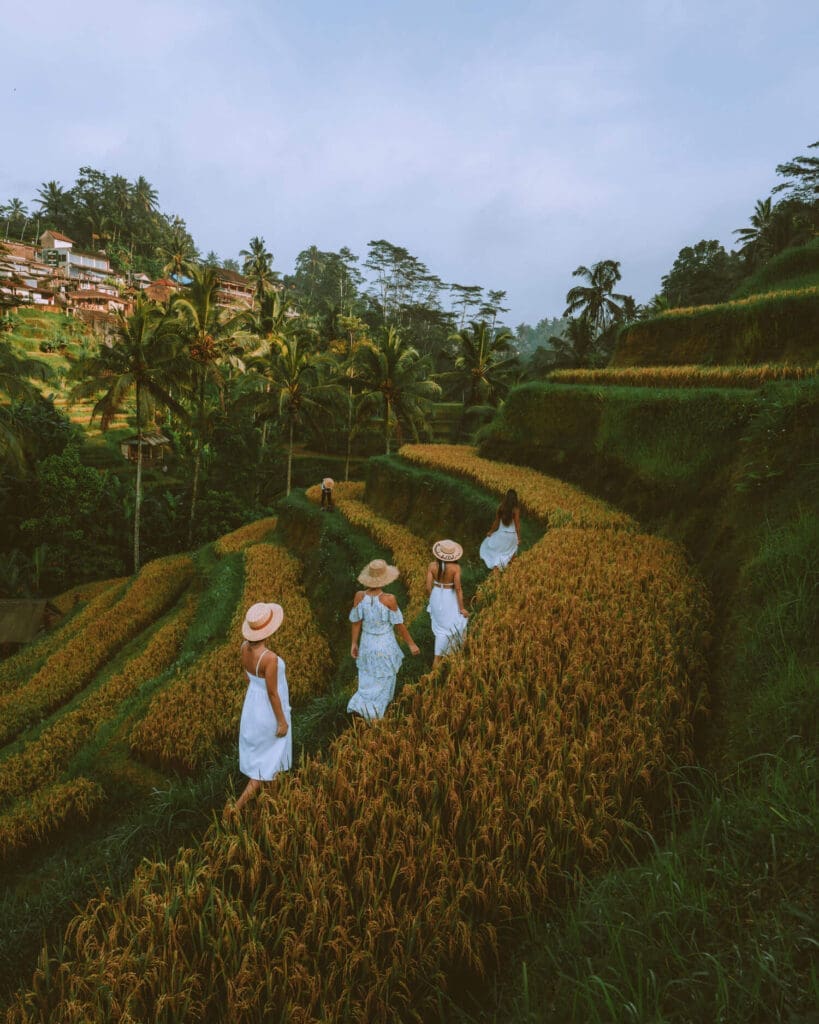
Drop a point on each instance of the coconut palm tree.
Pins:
(15, 210)
(353, 334)
(293, 391)
(142, 362)
(482, 364)
(177, 252)
(396, 380)
(258, 267)
(209, 333)
(596, 302)
(55, 203)
(16, 374)
(575, 347)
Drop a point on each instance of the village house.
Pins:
(57, 251)
(233, 290)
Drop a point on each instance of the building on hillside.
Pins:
(161, 290)
(97, 300)
(233, 291)
(57, 251)
(24, 281)
(153, 448)
(140, 281)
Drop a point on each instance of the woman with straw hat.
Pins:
(265, 742)
(377, 620)
(446, 599)
(327, 485)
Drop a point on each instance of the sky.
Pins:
(502, 147)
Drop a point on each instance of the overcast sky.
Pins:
(501, 147)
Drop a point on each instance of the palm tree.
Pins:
(396, 378)
(209, 332)
(145, 196)
(15, 210)
(483, 363)
(354, 334)
(293, 390)
(258, 267)
(576, 346)
(596, 302)
(16, 374)
(177, 251)
(54, 202)
(140, 362)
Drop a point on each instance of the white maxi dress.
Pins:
(379, 657)
(448, 625)
(498, 549)
(263, 754)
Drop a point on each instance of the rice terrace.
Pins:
(600, 806)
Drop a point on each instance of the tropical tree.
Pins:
(596, 301)
(258, 267)
(14, 211)
(353, 333)
(575, 347)
(292, 391)
(141, 362)
(209, 332)
(395, 380)
(16, 374)
(483, 363)
(177, 251)
(55, 203)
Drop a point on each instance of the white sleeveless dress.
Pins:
(499, 547)
(262, 754)
(448, 625)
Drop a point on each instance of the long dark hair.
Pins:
(506, 509)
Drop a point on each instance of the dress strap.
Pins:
(261, 656)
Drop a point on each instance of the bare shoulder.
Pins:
(358, 597)
(389, 601)
(271, 663)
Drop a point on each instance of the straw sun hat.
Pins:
(262, 620)
(378, 574)
(328, 483)
(447, 550)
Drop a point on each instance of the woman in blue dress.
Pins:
(376, 621)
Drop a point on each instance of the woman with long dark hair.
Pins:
(446, 600)
(501, 543)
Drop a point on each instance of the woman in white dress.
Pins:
(265, 741)
(376, 621)
(446, 599)
(501, 543)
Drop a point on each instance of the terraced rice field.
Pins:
(394, 864)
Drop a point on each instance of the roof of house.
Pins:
(57, 236)
(151, 439)
(92, 293)
(231, 277)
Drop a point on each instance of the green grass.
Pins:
(715, 924)
(792, 269)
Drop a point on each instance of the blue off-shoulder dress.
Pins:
(379, 657)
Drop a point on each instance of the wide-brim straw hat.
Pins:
(447, 550)
(262, 620)
(378, 574)
(328, 483)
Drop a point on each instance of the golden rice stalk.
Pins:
(546, 498)
(74, 664)
(251, 533)
(49, 810)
